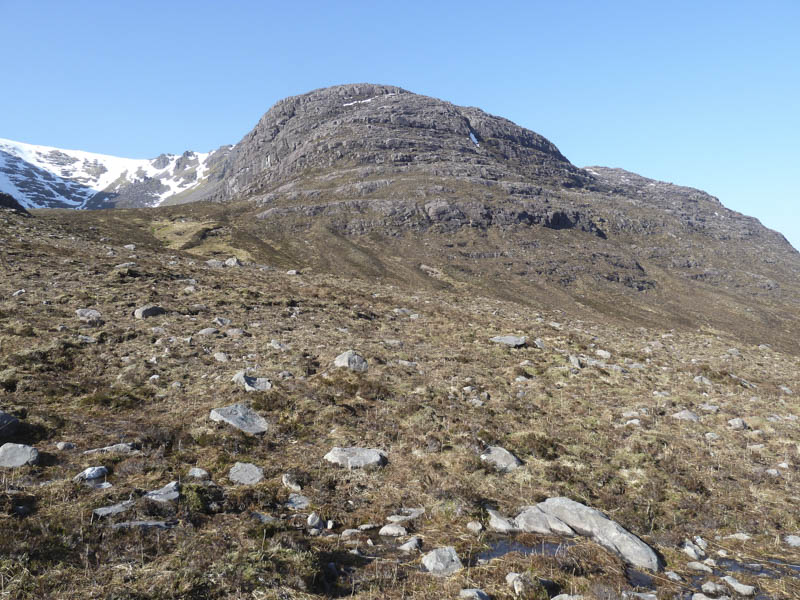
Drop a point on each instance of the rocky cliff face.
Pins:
(373, 130)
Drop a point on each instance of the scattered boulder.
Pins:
(290, 482)
(356, 458)
(512, 341)
(90, 316)
(298, 502)
(169, 493)
(520, 584)
(115, 509)
(245, 473)
(442, 561)
(151, 310)
(604, 354)
(351, 360)
(65, 446)
(737, 424)
(198, 473)
(252, 384)
(700, 379)
(221, 357)
(686, 415)
(208, 331)
(241, 417)
(232, 262)
(17, 455)
(792, 540)
(91, 473)
(499, 523)
(501, 459)
(739, 588)
(412, 545)
(393, 530)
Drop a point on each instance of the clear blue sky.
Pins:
(699, 93)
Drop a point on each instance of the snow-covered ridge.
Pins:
(44, 176)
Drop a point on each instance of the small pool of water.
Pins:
(501, 547)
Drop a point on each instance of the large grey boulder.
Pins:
(241, 417)
(442, 561)
(356, 458)
(351, 360)
(597, 526)
(17, 455)
(245, 473)
(512, 341)
(252, 384)
(501, 459)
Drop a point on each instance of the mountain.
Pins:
(378, 182)
(46, 177)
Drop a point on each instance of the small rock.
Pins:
(13, 456)
(252, 384)
(351, 360)
(737, 424)
(686, 415)
(499, 523)
(406, 514)
(65, 446)
(151, 310)
(741, 537)
(700, 379)
(356, 458)
(739, 588)
(792, 540)
(698, 566)
(221, 321)
(241, 417)
(713, 588)
(169, 493)
(512, 341)
(673, 576)
(293, 272)
(198, 473)
(208, 331)
(520, 584)
(18, 293)
(604, 354)
(475, 527)
(89, 316)
(235, 333)
(412, 545)
(278, 346)
(393, 530)
(501, 458)
(90, 474)
(314, 521)
(107, 511)
(786, 390)
(442, 561)
(245, 473)
(298, 502)
(289, 481)
(711, 436)
(233, 262)
(221, 357)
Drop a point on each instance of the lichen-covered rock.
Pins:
(442, 561)
(17, 455)
(241, 417)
